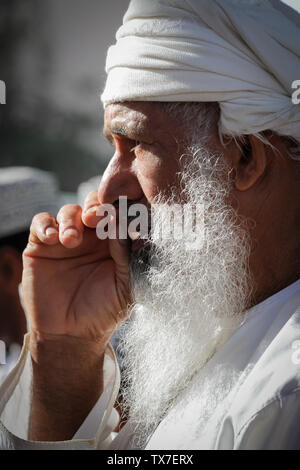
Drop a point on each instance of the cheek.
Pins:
(155, 174)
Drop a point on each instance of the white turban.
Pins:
(244, 54)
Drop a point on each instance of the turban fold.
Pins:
(244, 54)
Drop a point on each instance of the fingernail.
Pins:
(51, 231)
(92, 210)
(134, 235)
(71, 232)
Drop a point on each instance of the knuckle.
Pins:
(93, 194)
(91, 198)
(68, 209)
(73, 207)
(40, 217)
(25, 253)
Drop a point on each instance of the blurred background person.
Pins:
(86, 187)
(23, 192)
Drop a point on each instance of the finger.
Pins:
(120, 252)
(90, 209)
(70, 225)
(44, 229)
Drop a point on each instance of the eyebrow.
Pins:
(135, 134)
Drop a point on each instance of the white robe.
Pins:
(258, 406)
(10, 360)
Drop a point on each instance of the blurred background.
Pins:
(52, 59)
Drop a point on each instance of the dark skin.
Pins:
(76, 287)
(266, 189)
(12, 318)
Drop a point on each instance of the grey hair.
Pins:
(293, 147)
(201, 118)
(198, 118)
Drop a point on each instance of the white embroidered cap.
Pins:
(24, 192)
(86, 187)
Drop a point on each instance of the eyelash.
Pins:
(133, 149)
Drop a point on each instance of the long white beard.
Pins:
(188, 303)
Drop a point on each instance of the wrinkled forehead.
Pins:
(132, 114)
(134, 119)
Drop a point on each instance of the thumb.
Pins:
(120, 252)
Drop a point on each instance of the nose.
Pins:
(119, 179)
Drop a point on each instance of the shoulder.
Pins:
(274, 427)
(265, 412)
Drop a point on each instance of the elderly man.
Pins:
(198, 108)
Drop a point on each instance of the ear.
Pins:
(249, 163)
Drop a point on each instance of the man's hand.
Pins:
(76, 293)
